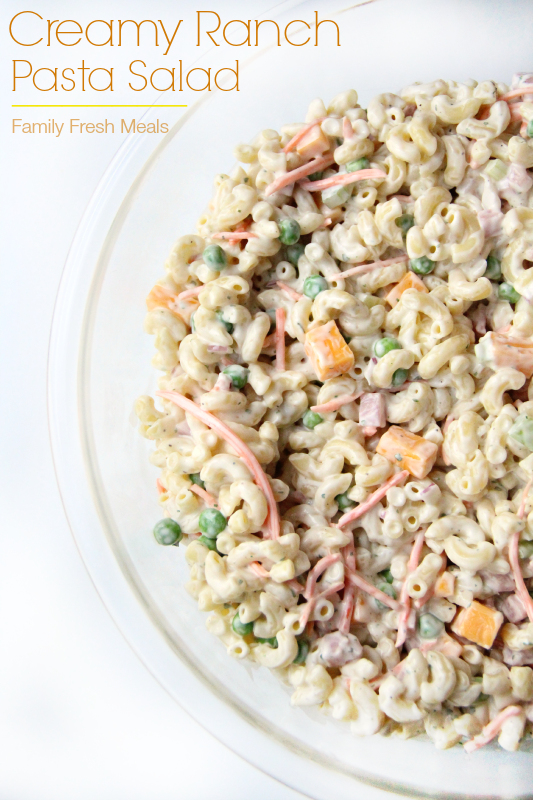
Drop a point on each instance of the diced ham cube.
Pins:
(498, 350)
(327, 351)
(517, 658)
(408, 451)
(495, 584)
(513, 609)
(336, 649)
(372, 410)
(478, 624)
(490, 221)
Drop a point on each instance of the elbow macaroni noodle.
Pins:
(395, 595)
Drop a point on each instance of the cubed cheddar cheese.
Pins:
(159, 297)
(444, 585)
(498, 350)
(408, 451)
(327, 351)
(314, 143)
(409, 281)
(478, 623)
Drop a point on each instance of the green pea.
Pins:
(343, 501)
(273, 642)
(212, 522)
(522, 431)
(241, 628)
(386, 588)
(215, 257)
(313, 285)
(289, 231)
(399, 377)
(195, 478)
(207, 542)
(494, 268)
(360, 163)
(303, 650)
(311, 419)
(315, 176)
(238, 375)
(529, 129)
(429, 627)
(228, 325)
(386, 574)
(405, 222)
(525, 549)
(294, 253)
(422, 266)
(385, 345)
(166, 531)
(506, 291)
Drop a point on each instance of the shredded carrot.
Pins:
(523, 130)
(160, 488)
(516, 116)
(307, 609)
(297, 138)
(405, 600)
(259, 570)
(240, 447)
(234, 235)
(269, 341)
(362, 268)
(327, 222)
(492, 729)
(320, 567)
(369, 431)
(522, 509)
(521, 589)
(208, 499)
(343, 179)
(291, 292)
(295, 586)
(361, 583)
(297, 174)
(403, 198)
(348, 600)
(347, 130)
(527, 89)
(190, 292)
(337, 402)
(371, 501)
(280, 338)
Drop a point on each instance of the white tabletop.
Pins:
(80, 716)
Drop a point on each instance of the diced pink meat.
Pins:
(479, 318)
(513, 608)
(517, 658)
(336, 649)
(490, 221)
(372, 410)
(494, 584)
(518, 178)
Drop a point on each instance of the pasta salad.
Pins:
(344, 420)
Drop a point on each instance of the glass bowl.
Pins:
(100, 362)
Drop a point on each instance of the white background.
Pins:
(80, 717)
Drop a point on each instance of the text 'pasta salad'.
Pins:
(344, 421)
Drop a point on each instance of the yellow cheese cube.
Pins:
(408, 451)
(314, 143)
(478, 623)
(327, 351)
(409, 281)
